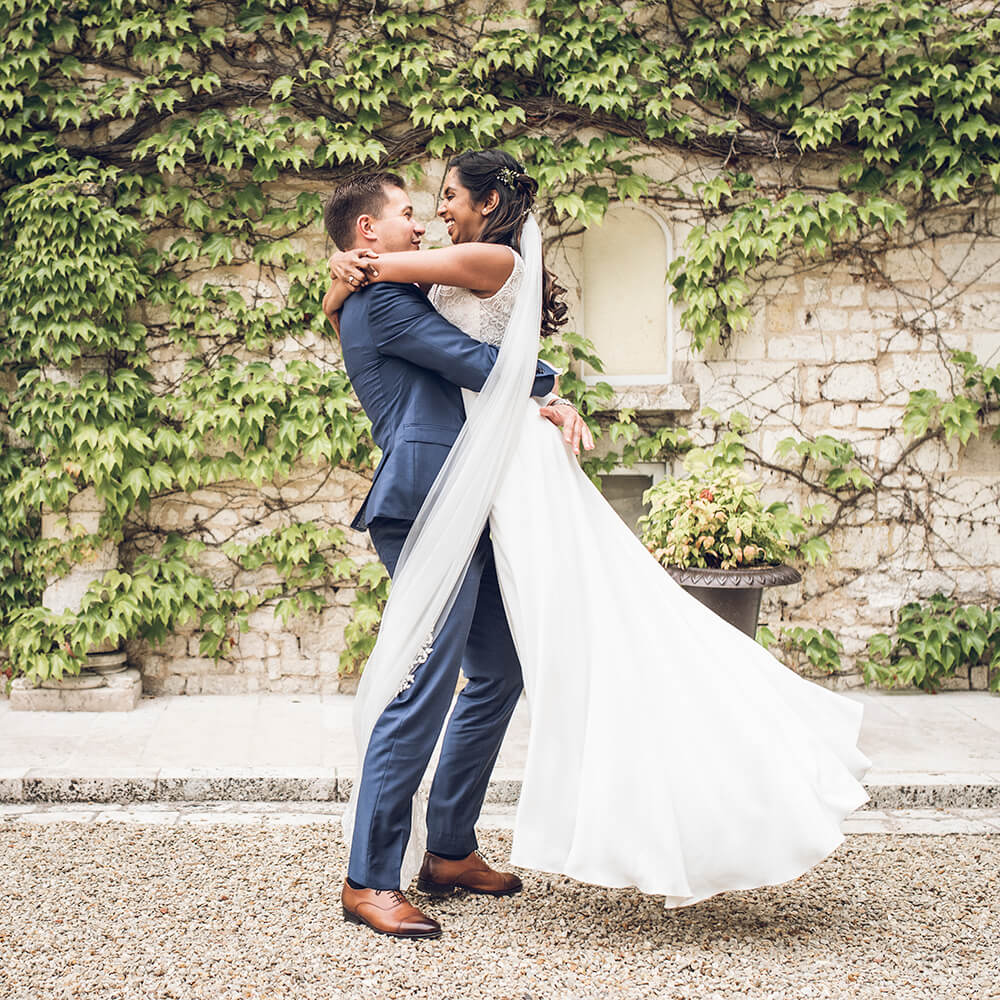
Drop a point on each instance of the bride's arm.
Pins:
(335, 297)
(480, 267)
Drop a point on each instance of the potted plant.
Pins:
(715, 536)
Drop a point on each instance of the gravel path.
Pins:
(142, 912)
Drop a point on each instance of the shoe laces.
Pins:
(394, 894)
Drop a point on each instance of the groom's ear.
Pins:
(365, 226)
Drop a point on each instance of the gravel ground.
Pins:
(143, 912)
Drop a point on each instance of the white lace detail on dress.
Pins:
(484, 319)
(425, 650)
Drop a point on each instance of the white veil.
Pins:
(439, 547)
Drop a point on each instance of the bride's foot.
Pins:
(441, 876)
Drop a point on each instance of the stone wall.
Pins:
(837, 352)
(829, 351)
(302, 655)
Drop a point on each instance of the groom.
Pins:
(408, 366)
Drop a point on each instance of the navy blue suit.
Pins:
(408, 365)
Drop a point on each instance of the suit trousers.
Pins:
(476, 638)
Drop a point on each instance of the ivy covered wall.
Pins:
(831, 174)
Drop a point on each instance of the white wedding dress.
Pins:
(668, 750)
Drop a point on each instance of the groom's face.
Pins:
(395, 228)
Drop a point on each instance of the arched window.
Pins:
(626, 307)
(628, 315)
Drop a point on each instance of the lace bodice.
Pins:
(484, 319)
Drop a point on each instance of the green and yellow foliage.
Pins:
(713, 517)
(933, 641)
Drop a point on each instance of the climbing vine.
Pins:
(933, 641)
(162, 171)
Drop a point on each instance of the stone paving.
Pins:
(926, 750)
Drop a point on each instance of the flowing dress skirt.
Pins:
(668, 750)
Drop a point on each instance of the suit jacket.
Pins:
(408, 365)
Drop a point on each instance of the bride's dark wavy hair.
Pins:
(486, 170)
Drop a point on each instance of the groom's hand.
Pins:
(572, 425)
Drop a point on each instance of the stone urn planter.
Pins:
(716, 538)
(734, 594)
(105, 682)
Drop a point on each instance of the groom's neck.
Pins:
(375, 245)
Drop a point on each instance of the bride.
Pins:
(668, 750)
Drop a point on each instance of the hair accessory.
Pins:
(507, 177)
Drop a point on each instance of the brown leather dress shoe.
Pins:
(440, 877)
(386, 911)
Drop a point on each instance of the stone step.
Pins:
(904, 791)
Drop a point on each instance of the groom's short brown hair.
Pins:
(362, 195)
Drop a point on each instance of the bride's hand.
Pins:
(355, 267)
(574, 429)
(336, 296)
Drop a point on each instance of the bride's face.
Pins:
(465, 219)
